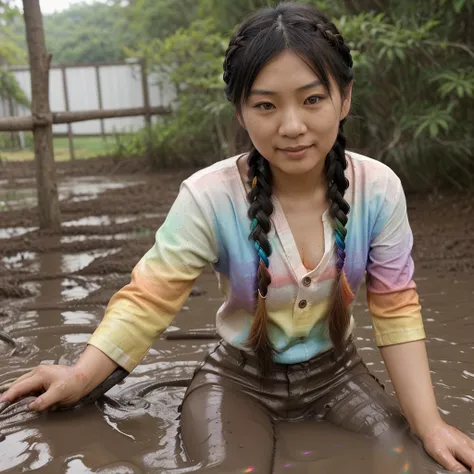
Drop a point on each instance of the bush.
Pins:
(413, 97)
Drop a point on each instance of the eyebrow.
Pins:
(315, 83)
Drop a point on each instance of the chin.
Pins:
(299, 166)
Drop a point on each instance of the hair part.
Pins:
(261, 37)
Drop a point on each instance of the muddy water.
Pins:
(54, 290)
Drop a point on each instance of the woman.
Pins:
(319, 219)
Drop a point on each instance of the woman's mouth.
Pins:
(296, 151)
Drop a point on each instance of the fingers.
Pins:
(24, 376)
(466, 455)
(444, 457)
(19, 389)
(47, 399)
(22, 386)
(7, 395)
(469, 441)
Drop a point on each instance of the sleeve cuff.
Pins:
(114, 352)
(399, 337)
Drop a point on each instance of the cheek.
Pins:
(260, 131)
(326, 126)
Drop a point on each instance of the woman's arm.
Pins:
(407, 365)
(161, 281)
(59, 384)
(396, 315)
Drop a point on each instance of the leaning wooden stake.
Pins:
(48, 202)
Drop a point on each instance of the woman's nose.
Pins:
(292, 124)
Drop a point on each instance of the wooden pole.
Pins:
(40, 60)
(14, 138)
(146, 104)
(146, 92)
(7, 124)
(101, 104)
(66, 103)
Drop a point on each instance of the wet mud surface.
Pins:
(54, 288)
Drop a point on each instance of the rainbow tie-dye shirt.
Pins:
(208, 224)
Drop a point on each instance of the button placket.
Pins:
(303, 298)
(302, 304)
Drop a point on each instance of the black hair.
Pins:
(261, 37)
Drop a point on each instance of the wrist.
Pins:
(82, 380)
(426, 426)
(92, 368)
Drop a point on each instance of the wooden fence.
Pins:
(137, 86)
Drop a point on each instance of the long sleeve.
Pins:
(391, 292)
(161, 281)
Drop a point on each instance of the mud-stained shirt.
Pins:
(208, 225)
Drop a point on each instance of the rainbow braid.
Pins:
(340, 234)
(260, 210)
(260, 252)
(335, 165)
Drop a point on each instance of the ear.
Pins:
(346, 102)
(240, 118)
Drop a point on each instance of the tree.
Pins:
(87, 33)
(11, 52)
(48, 201)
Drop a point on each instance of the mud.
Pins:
(54, 288)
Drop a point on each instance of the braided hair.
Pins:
(258, 39)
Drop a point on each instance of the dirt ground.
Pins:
(54, 287)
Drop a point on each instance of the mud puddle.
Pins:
(74, 189)
(69, 278)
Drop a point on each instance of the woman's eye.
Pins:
(314, 99)
(264, 106)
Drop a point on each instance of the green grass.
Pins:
(84, 147)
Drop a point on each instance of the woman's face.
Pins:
(290, 117)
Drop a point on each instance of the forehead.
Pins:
(284, 72)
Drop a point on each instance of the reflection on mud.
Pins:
(75, 189)
(14, 231)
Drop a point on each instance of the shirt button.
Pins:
(302, 304)
(306, 281)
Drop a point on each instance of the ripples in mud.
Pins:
(135, 427)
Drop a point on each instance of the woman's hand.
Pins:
(56, 384)
(447, 445)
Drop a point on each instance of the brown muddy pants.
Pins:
(229, 412)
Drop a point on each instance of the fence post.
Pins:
(66, 103)
(99, 95)
(14, 136)
(146, 104)
(48, 200)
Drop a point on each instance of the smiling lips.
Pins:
(295, 148)
(295, 151)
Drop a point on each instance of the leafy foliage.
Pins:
(414, 89)
(87, 34)
(11, 52)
